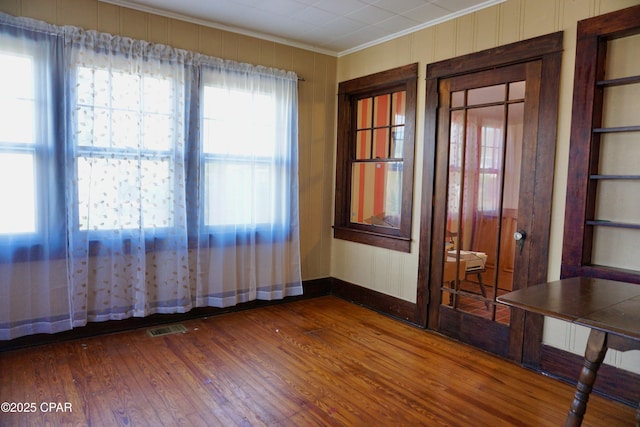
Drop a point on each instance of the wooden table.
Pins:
(611, 309)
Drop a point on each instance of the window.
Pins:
(124, 150)
(374, 176)
(18, 144)
(128, 140)
(246, 158)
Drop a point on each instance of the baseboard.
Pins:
(311, 289)
(386, 304)
(611, 382)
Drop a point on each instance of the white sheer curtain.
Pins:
(248, 244)
(128, 251)
(33, 273)
(164, 180)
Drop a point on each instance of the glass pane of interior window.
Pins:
(364, 113)
(382, 106)
(18, 213)
(487, 94)
(399, 100)
(619, 154)
(397, 142)
(376, 193)
(17, 99)
(620, 106)
(617, 200)
(616, 247)
(516, 90)
(619, 63)
(363, 144)
(381, 143)
(238, 123)
(457, 99)
(243, 189)
(108, 204)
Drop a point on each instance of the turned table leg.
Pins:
(593, 357)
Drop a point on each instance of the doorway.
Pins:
(487, 232)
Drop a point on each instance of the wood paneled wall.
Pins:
(395, 274)
(317, 94)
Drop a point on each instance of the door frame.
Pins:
(547, 49)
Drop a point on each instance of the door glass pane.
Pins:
(485, 95)
(516, 90)
(376, 193)
(482, 206)
(457, 99)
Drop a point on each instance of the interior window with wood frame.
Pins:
(374, 174)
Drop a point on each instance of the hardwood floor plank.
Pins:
(314, 362)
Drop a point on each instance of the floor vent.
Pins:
(166, 330)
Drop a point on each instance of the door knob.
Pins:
(519, 237)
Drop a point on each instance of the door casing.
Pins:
(526, 344)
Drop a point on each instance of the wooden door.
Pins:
(488, 232)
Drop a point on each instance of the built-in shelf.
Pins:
(617, 129)
(619, 82)
(592, 111)
(605, 223)
(618, 177)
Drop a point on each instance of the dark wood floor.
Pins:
(321, 361)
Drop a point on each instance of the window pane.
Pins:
(364, 113)
(238, 193)
(158, 132)
(106, 203)
(486, 95)
(399, 108)
(18, 193)
(238, 123)
(125, 129)
(381, 143)
(376, 193)
(382, 105)
(363, 144)
(397, 142)
(17, 99)
(125, 91)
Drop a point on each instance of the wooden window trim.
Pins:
(591, 50)
(401, 78)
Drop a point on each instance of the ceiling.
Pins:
(334, 27)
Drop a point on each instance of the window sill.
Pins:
(396, 243)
